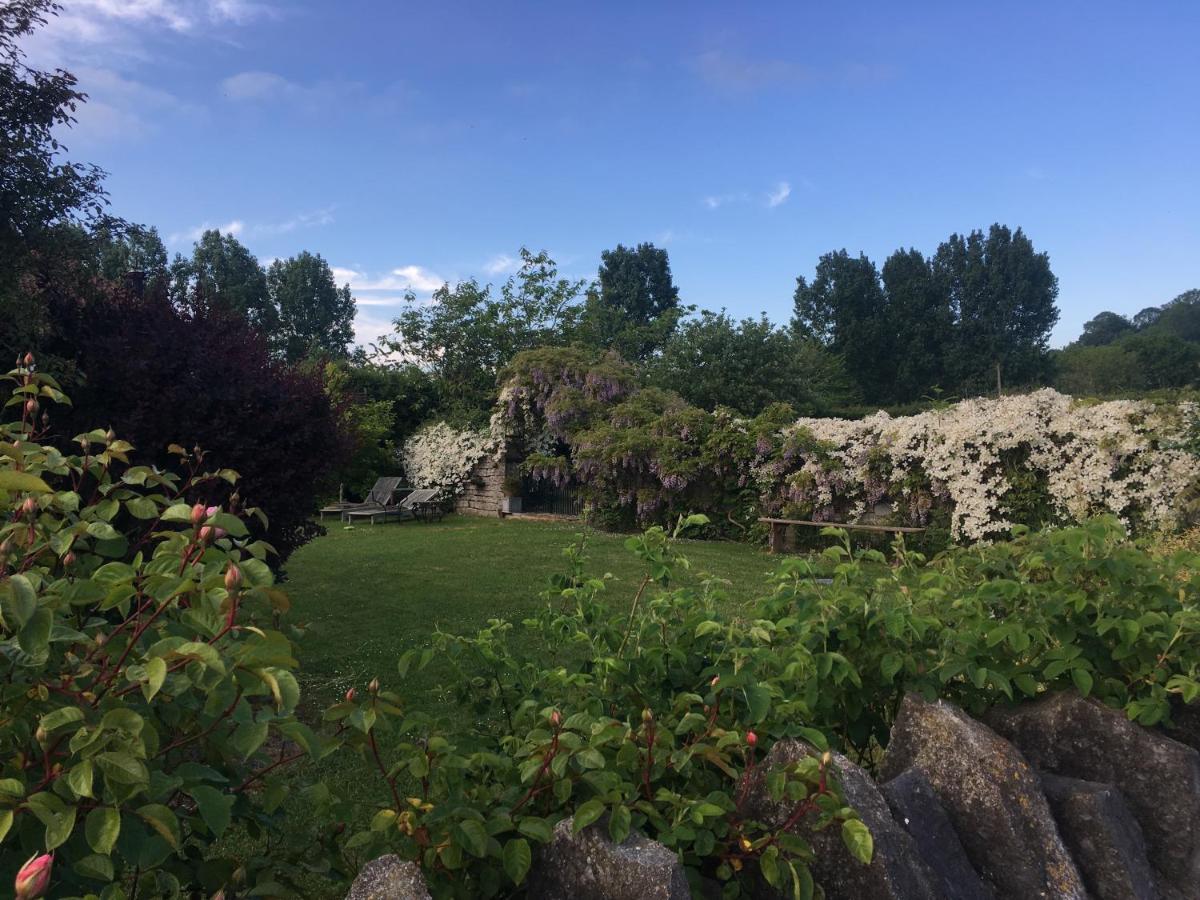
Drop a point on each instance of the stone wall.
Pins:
(1059, 799)
(484, 490)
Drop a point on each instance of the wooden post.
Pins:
(776, 542)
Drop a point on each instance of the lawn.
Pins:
(372, 592)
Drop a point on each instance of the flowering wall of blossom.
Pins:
(638, 455)
(441, 456)
(1122, 457)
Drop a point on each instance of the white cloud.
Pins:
(272, 88)
(301, 220)
(502, 264)
(779, 195)
(417, 279)
(234, 227)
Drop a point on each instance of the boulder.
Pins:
(896, 871)
(1066, 734)
(992, 796)
(1103, 837)
(589, 866)
(916, 807)
(389, 878)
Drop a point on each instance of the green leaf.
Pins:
(79, 778)
(474, 837)
(1083, 680)
(517, 859)
(162, 819)
(215, 807)
(62, 717)
(538, 829)
(101, 828)
(1027, 684)
(103, 531)
(858, 840)
(59, 827)
(248, 738)
(890, 665)
(142, 507)
(708, 627)
(768, 864)
(587, 814)
(619, 823)
(19, 601)
(95, 866)
(179, 512)
(12, 480)
(121, 768)
(758, 701)
(34, 637)
(6, 820)
(11, 790)
(156, 675)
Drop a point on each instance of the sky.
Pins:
(414, 143)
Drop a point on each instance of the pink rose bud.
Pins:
(751, 738)
(212, 510)
(373, 687)
(219, 533)
(206, 534)
(69, 559)
(31, 407)
(34, 877)
(197, 513)
(29, 359)
(350, 695)
(110, 435)
(29, 507)
(716, 680)
(556, 718)
(233, 578)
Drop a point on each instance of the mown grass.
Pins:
(371, 592)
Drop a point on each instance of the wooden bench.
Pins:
(783, 533)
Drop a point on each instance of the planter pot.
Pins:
(510, 505)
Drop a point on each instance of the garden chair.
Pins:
(423, 504)
(379, 500)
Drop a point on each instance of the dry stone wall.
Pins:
(483, 492)
(1059, 798)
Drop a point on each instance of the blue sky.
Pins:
(410, 143)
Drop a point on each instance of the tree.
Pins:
(316, 317)
(1181, 317)
(845, 310)
(634, 306)
(224, 276)
(1165, 360)
(1097, 371)
(43, 195)
(716, 361)
(921, 325)
(1104, 328)
(468, 333)
(160, 375)
(1002, 292)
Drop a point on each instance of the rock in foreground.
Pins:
(389, 878)
(992, 796)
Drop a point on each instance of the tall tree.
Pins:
(845, 310)
(223, 276)
(1002, 291)
(44, 196)
(316, 317)
(921, 325)
(1104, 328)
(469, 332)
(714, 361)
(634, 306)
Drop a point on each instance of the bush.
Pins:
(637, 712)
(159, 376)
(620, 716)
(148, 694)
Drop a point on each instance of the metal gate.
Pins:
(543, 497)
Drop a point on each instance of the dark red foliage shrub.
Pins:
(159, 376)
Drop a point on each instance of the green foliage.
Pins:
(746, 366)
(652, 715)
(634, 307)
(469, 332)
(148, 694)
(223, 276)
(636, 711)
(316, 317)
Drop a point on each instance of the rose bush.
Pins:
(147, 687)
